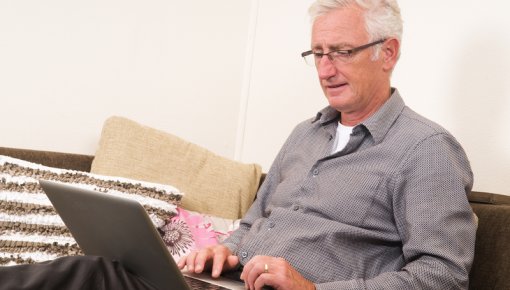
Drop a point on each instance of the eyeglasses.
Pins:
(336, 56)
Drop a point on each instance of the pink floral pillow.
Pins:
(188, 231)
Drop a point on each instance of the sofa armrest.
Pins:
(72, 161)
(491, 265)
(488, 198)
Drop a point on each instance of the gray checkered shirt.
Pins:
(389, 211)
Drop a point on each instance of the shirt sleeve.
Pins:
(434, 220)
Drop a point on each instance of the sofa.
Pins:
(491, 268)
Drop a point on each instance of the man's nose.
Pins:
(325, 68)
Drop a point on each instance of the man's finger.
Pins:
(202, 257)
(253, 273)
(265, 281)
(218, 262)
(190, 261)
(182, 262)
(232, 262)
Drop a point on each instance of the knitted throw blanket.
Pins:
(30, 229)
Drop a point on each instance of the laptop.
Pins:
(120, 229)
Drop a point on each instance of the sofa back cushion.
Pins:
(211, 184)
(492, 253)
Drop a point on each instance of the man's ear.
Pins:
(390, 53)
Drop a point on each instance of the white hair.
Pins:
(382, 17)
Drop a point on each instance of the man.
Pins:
(367, 194)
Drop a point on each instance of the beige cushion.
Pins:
(211, 184)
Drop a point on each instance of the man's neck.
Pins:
(354, 118)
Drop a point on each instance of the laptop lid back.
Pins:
(116, 228)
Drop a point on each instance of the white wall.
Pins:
(66, 65)
(227, 74)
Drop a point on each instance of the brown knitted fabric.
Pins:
(30, 229)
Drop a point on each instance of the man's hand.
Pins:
(275, 272)
(219, 257)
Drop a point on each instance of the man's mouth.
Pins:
(336, 86)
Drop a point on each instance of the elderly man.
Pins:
(366, 195)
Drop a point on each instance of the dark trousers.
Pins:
(73, 273)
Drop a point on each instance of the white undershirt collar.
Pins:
(343, 134)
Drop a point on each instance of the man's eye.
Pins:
(340, 53)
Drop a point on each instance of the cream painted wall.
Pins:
(227, 74)
(67, 65)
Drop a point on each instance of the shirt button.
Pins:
(296, 208)
(271, 225)
(315, 172)
(244, 254)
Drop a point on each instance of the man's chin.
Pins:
(338, 101)
(336, 98)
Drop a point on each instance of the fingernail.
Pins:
(198, 268)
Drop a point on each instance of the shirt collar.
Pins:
(326, 116)
(381, 121)
(378, 124)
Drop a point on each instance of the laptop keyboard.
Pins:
(202, 285)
